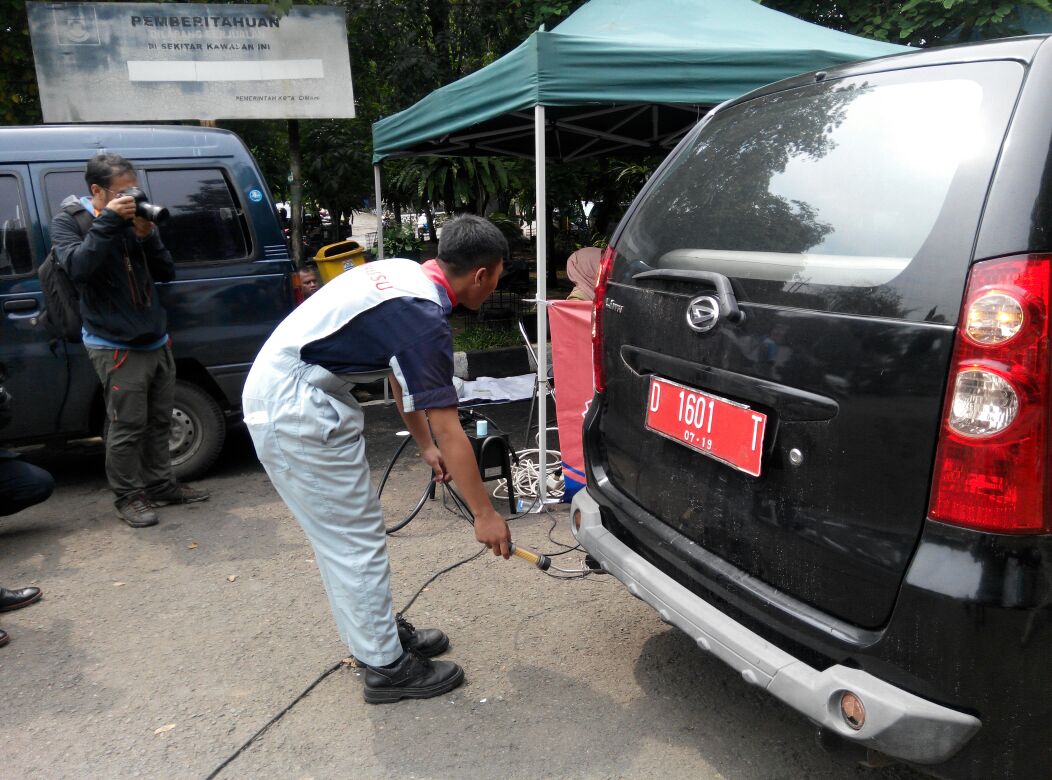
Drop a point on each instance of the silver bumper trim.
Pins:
(898, 723)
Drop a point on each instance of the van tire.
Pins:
(198, 432)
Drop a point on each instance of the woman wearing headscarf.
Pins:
(582, 267)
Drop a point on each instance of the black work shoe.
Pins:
(176, 493)
(413, 677)
(427, 642)
(16, 599)
(136, 511)
(4, 638)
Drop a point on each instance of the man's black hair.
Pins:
(309, 265)
(102, 168)
(469, 242)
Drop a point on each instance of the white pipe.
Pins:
(542, 308)
(379, 214)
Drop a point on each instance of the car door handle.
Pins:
(21, 305)
(724, 292)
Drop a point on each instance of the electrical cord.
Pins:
(215, 772)
(434, 577)
(526, 476)
(568, 548)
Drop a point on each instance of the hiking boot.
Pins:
(136, 511)
(176, 493)
(427, 642)
(412, 677)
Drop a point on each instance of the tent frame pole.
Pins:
(542, 305)
(379, 213)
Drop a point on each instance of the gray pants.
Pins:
(310, 442)
(139, 389)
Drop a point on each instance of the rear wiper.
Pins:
(728, 303)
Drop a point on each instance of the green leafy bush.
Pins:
(401, 241)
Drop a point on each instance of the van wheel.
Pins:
(198, 432)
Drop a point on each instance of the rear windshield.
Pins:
(810, 195)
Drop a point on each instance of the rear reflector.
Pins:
(606, 264)
(992, 463)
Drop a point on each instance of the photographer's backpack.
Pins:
(61, 315)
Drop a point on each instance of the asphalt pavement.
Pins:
(158, 652)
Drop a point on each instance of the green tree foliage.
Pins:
(338, 165)
(400, 52)
(455, 183)
(916, 22)
(19, 99)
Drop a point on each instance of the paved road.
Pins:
(157, 652)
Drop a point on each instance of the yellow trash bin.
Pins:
(334, 259)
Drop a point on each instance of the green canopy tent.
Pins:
(617, 76)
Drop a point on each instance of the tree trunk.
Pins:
(438, 20)
(296, 192)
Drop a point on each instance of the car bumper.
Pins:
(897, 722)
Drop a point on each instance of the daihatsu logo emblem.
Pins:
(703, 313)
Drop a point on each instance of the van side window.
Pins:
(59, 185)
(206, 223)
(16, 259)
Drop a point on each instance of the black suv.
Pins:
(820, 441)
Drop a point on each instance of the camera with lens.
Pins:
(145, 209)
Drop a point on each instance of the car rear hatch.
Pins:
(795, 439)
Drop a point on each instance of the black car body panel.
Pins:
(887, 306)
(848, 325)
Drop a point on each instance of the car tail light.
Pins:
(992, 463)
(297, 288)
(606, 264)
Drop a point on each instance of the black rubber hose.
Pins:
(394, 460)
(429, 491)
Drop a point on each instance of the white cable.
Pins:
(525, 475)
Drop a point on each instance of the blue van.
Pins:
(234, 278)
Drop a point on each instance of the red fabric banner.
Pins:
(571, 326)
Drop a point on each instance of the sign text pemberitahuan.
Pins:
(107, 62)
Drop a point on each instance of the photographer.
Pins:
(21, 486)
(114, 267)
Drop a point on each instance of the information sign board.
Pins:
(109, 62)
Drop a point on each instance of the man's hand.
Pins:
(142, 227)
(433, 458)
(123, 206)
(492, 530)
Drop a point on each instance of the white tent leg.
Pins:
(379, 214)
(542, 305)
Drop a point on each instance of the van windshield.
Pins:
(841, 184)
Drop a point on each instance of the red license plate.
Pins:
(729, 432)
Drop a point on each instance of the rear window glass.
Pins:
(206, 223)
(16, 258)
(855, 183)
